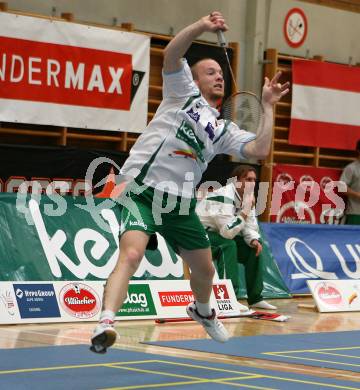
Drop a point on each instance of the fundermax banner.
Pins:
(72, 75)
(304, 252)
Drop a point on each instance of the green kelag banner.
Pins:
(76, 238)
(69, 238)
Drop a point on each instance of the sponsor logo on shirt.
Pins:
(138, 223)
(195, 116)
(184, 153)
(186, 133)
(210, 130)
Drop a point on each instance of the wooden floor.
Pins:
(303, 320)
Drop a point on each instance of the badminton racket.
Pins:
(242, 107)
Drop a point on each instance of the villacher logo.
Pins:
(79, 300)
(328, 293)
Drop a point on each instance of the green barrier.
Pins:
(63, 238)
(75, 238)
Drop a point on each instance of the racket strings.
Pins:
(244, 109)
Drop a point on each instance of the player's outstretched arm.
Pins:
(272, 92)
(178, 46)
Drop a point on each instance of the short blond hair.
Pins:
(195, 65)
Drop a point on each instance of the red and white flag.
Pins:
(325, 105)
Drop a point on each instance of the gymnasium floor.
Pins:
(130, 349)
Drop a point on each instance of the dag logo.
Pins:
(138, 302)
(329, 294)
(79, 300)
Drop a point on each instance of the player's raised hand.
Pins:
(214, 22)
(273, 91)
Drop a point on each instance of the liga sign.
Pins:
(72, 75)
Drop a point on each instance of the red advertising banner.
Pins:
(53, 73)
(325, 101)
(303, 194)
(72, 75)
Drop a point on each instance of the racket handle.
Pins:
(221, 38)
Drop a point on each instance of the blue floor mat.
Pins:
(75, 367)
(339, 350)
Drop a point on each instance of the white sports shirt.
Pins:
(182, 138)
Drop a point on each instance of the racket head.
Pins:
(244, 109)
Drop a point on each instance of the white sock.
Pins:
(108, 314)
(204, 308)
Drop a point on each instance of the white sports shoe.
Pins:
(242, 307)
(104, 336)
(244, 310)
(264, 305)
(214, 328)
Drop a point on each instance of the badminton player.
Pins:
(167, 162)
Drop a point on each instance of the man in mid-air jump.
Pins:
(187, 122)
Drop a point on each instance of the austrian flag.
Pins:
(325, 105)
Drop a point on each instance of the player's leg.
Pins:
(202, 273)
(201, 279)
(187, 235)
(137, 226)
(132, 247)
